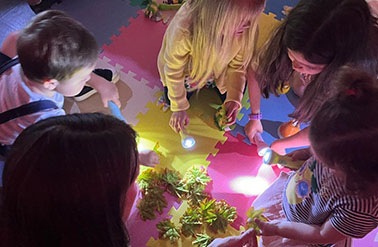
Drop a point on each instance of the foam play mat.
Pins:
(232, 172)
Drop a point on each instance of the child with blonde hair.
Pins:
(208, 39)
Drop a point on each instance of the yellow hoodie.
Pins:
(174, 59)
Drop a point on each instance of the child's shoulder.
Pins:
(9, 45)
(182, 19)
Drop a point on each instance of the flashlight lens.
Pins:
(188, 142)
(267, 155)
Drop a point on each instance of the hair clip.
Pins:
(351, 92)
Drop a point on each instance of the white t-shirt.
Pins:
(14, 93)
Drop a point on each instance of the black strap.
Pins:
(8, 64)
(26, 109)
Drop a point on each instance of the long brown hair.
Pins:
(65, 182)
(344, 132)
(335, 33)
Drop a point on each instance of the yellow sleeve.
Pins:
(236, 74)
(173, 62)
(235, 79)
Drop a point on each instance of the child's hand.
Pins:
(286, 10)
(232, 109)
(179, 120)
(148, 158)
(108, 91)
(269, 228)
(279, 146)
(301, 154)
(246, 239)
(251, 128)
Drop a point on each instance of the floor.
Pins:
(130, 43)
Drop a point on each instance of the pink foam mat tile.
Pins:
(137, 48)
(142, 231)
(370, 240)
(238, 175)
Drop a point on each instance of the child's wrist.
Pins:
(255, 116)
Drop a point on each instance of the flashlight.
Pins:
(272, 158)
(115, 111)
(260, 143)
(187, 141)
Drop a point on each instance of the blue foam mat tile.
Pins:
(239, 129)
(276, 7)
(275, 111)
(103, 18)
(14, 15)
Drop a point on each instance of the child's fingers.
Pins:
(174, 125)
(117, 102)
(105, 103)
(249, 237)
(186, 122)
(261, 225)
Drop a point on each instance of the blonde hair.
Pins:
(213, 27)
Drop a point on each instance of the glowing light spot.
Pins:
(267, 155)
(141, 147)
(188, 142)
(248, 185)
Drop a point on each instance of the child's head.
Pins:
(54, 46)
(215, 26)
(344, 132)
(317, 38)
(65, 181)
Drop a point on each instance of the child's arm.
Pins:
(235, 84)
(172, 61)
(300, 139)
(248, 238)
(107, 90)
(324, 234)
(373, 4)
(9, 46)
(253, 126)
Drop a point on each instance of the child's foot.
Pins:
(163, 104)
(108, 74)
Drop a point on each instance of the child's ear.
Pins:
(50, 84)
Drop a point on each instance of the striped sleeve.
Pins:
(355, 221)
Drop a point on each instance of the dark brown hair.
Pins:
(65, 182)
(344, 132)
(55, 46)
(336, 33)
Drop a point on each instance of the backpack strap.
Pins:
(27, 109)
(7, 64)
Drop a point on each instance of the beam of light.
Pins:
(188, 142)
(141, 147)
(249, 185)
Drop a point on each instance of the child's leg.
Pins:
(221, 96)
(99, 74)
(164, 99)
